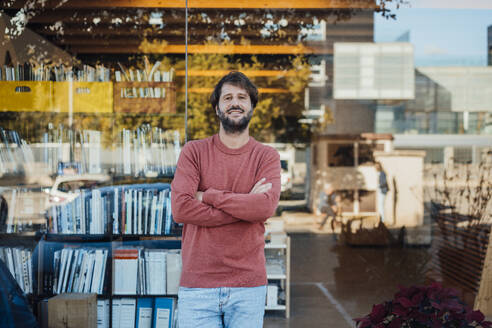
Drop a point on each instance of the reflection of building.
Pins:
(347, 162)
(450, 117)
(246, 32)
(350, 116)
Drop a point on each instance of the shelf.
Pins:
(275, 246)
(147, 237)
(129, 179)
(276, 276)
(29, 234)
(279, 274)
(77, 237)
(277, 307)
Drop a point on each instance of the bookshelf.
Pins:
(104, 211)
(277, 253)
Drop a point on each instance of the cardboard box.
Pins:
(73, 310)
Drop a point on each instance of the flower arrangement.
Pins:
(423, 306)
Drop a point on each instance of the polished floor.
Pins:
(332, 284)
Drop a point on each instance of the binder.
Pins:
(173, 271)
(125, 267)
(102, 313)
(144, 313)
(163, 312)
(127, 312)
(115, 318)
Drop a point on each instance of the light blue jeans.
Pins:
(381, 198)
(224, 307)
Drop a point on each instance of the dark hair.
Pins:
(238, 79)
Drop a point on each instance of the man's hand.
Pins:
(199, 195)
(261, 187)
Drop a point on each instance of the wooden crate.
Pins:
(26, 96)
(72, 310)
(87, 97)
(128, 97)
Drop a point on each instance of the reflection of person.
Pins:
(328, 205)
(382, 190)
(224, 189)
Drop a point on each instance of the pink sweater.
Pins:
(223, 236)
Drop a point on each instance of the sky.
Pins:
(443, 32)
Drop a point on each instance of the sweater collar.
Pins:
(223, 148)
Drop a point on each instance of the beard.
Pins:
(234, 127)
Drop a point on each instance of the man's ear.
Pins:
(216, 110)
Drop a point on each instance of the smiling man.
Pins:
(225, 188)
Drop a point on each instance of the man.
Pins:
(224, 189)
(328, 204)
(382, 190)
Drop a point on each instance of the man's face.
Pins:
(234, 108)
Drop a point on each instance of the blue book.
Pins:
(163, 312)
(144, 313)
(168, 213)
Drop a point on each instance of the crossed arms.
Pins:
(212, 207)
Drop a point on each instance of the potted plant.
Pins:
(423, 306)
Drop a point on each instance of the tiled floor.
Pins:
(331, 284)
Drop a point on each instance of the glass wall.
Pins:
(97, 100)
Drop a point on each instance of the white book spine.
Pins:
(115, 211)
(103, 272)
(90, 269)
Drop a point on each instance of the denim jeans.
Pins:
(381, 198)
(226, 307)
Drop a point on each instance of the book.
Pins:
(125, 271)
(163, 312)
(127, 312)
(19, 263)
(144, 312)
(102, 313)
(132, 209)
(173, 271)
(115, 315)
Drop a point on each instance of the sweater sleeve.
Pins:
(251, 207)
(184, 206)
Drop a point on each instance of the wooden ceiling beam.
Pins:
(178, 31)
(74, 41)
(260, 90)
(205, 49)
(204, 4)
(249, 73)
(80, 15)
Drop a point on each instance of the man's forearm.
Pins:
(189, 210)
(247, 207)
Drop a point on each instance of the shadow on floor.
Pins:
(331, 284)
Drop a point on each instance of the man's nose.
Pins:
(235, 101)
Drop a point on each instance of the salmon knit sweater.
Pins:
(223, 236)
